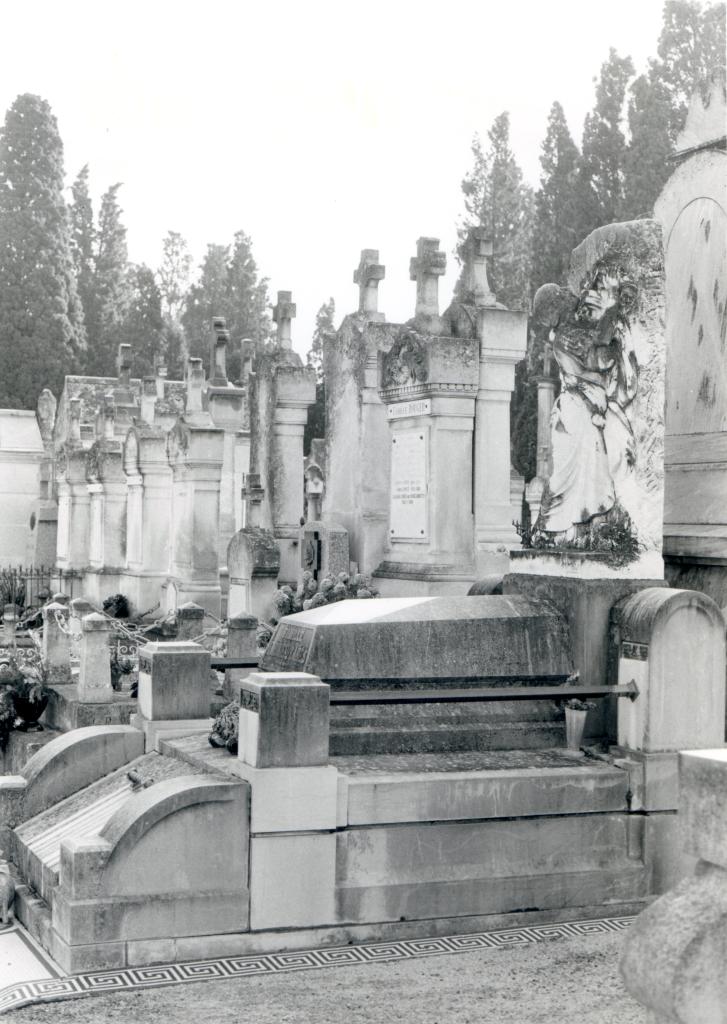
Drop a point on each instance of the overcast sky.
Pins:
(319, 128)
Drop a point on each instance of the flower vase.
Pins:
(575, 724)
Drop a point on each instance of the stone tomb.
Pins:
(431, 642)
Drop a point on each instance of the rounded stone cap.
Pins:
(95, 622)
(80, 606)
(243, 621)
(61, 598)
(54, 608)
(190, 610)
(9, 611)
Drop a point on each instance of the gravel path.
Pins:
(571, 981)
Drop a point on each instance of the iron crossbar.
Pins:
(444, 696)
(220, 664)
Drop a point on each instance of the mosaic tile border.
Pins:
(126, 979)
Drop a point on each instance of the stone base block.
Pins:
(523, 792)
(291, 799)
(292, 880)
(167, 729)
(67, 711)
(653, 778)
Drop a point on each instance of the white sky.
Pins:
(320, 128)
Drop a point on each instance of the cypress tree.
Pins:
(41, 324)
(111, 295)
(557, 214)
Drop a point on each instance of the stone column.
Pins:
(195, 450)
(9, 621)
(502, 345)
(241, 643)
(429, 264)
(295, 390)
(94, 680)
(56, 643)
(190, 619)
(544, 467)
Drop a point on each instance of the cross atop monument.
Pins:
(123, 365)
(478, 247)
(195, 380)
(108, 412)
(367, 276)
(283, 313)
(425, 268)
(218, 352)
(74, 430)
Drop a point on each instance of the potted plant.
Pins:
(24, 689)
(576, 712)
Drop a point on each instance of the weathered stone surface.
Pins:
(94, 679)
(675, 952)
(427, 638)
(283, 720)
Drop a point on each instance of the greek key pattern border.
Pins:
(135, 978)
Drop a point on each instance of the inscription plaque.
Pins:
(637, 652)
(288, 649)
(408, 507)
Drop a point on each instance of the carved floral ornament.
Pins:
(406, 362)
(61, 461)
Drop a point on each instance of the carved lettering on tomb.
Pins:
(409, 483)
(288, 648)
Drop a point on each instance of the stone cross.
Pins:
(109, 416)
(148, 399)
(425, 268)
(283, 314)
(160, 372)
(123, 366)
(367, 276)
(74, 429)
(478, 248)
(195, 380)
(253, 493)
(218, 352)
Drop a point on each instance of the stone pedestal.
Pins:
(174, 681)
(10, 619)
(241, 643)
(195, 451)
(503, 338)
(283, 720)
(190, 621)
(253, 560)
(94, 680)
(148, 514)
(430, 480)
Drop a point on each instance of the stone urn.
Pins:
(575, 723)
(29, 711)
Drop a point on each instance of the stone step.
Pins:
(442, 737)
(492, 712)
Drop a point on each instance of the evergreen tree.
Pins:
(646, 160)
(111, 292)
(173, 275)
(691, 45)
(83, 238)
(41, 325)
(496, 197)
(143, 324)
(604, 144)
(325, 326)
(557, 214)
(228, 286)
